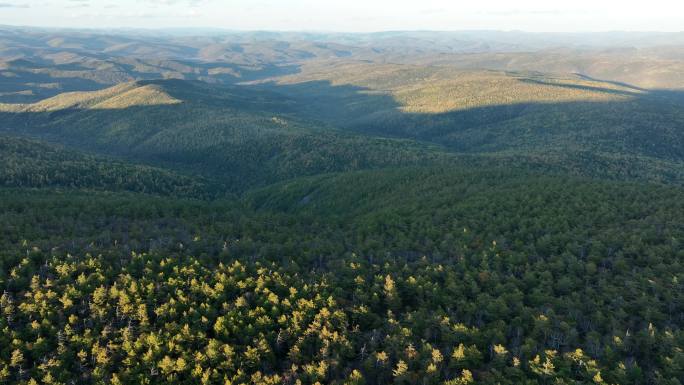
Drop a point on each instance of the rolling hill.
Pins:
(33, 164)
(243, 136)
(492, 112)
(39, 63)
(318, 208)
(362, 116)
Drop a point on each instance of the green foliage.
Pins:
(492, 112)
(242, 137)
(408, 224)
(31, 164)
(383, 276)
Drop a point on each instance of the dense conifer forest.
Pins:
(280, 210)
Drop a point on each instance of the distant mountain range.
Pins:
(192, 206)
(38, 63)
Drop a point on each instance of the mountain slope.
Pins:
(389, 116)
(40, 63)
(117, 97)
(32, 164)
(394, 224)
(493, 112)
(245, 136)
(487, 271)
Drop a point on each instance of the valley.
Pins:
(313, 208)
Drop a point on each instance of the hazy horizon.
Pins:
(328, 31)
(353, 16)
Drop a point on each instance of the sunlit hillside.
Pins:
(209, 206)
(118, 97)
(439, 89)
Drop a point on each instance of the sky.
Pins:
(351, 15)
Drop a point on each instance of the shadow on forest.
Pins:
(646, 124)
(24, 89)
(616, 83)
(579, 87)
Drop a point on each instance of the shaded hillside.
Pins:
(244, 136)
(492, 112)
(31, 164)
(391, 223)
(388, 115)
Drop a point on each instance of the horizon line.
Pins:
(340, 32)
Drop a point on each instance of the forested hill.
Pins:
(492, 111)
(39, 63)
(241, 136)
(348, 209)
(364, 116)
(369, 277)
(32, 164)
